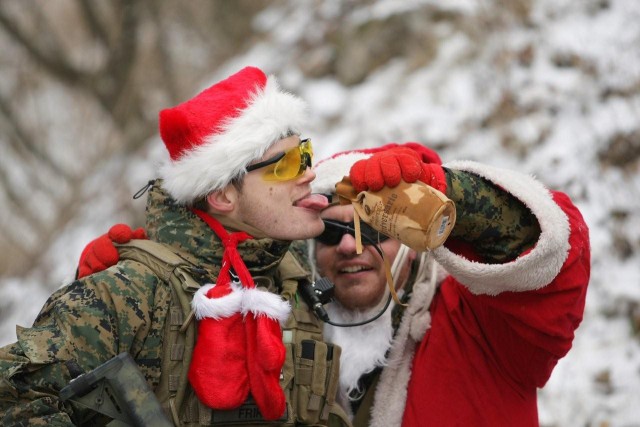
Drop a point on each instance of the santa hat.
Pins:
(212, 137)
(330, 171)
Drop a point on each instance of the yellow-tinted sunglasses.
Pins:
(287, 165)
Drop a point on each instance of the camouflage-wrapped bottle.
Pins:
(418, 215)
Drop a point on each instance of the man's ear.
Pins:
(223, 201)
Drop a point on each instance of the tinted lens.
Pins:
(334, 230)
(306, 155)
(293, 164)
(331, 234)
(307, 150)
(288, 166)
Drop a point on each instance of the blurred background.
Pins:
(549, 87)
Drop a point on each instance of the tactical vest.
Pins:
(309, 377)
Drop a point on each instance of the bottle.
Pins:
(418, 215)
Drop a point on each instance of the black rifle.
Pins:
(119, 390)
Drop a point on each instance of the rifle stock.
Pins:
(119, 390)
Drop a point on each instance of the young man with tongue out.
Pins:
(233, 194)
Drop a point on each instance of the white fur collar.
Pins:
(363, 348)
(391, 392)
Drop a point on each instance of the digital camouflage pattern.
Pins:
(473, 211)
(121, 309)
(484, 214)
(494, 222)
(418, 215)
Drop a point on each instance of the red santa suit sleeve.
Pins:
(498, 330)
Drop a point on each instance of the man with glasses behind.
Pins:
(484, 318)
(233, 195)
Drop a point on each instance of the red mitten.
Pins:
(386, 168)
(432, 172)
(218, 369)
(122, 233)
(264, 314)
(427, 155)
(389, 167)
(100, 253)
(433, 176)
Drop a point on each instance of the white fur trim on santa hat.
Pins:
(531, 271)
(217, 308)
(265, 303)
(330, 171)
(270, 115)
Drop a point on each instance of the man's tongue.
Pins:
(315, 202)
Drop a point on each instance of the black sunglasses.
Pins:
(334, 230)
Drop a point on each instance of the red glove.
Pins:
(100, 253)
(389, 167)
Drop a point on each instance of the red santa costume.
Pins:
(477, 339)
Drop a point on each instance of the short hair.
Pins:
(201, 202)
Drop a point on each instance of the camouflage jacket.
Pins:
(121, 309)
